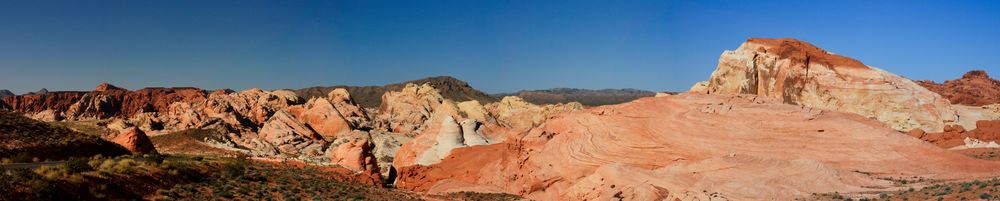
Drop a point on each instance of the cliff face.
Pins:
(975, 88)
(60, 101)
(797, 72)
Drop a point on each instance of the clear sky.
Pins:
(497, 46)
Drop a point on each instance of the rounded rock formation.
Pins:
(799, 73)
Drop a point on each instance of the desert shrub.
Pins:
(985, 196)
(154, 158)
(123, 166)
(235, 168)
(77, 165)
(51, 172)
(22, 157)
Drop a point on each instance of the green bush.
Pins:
(985, 196)
(236, 168)
(22, 157)
(77, 165)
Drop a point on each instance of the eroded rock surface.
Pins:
(797, 72)
(692, 146)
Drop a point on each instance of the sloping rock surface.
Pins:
(693, 146)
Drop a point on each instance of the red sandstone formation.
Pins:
(58, 101)
(134, 140)
(954, 137)
(357, 155)
(693, 146)
(974, 88)
(105, 101)
(107, 86)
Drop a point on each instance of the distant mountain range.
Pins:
(587, 97)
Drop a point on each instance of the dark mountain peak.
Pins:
(39, 92)
(5, 93)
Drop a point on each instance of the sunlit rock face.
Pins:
(797, 72)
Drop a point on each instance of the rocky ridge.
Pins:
(975, 88)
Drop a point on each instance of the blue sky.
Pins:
(497, 46)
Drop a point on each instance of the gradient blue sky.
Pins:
(497, 46)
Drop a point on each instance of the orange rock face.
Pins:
(974, 88)
(357, 155)
(954, 137)
(693, 146)
(134, 140)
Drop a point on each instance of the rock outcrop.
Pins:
(107, 86)
(251, 107)
(106, 101)
(799, 73)
(287, 135)
(693, 147)
(322, 117)
(57, 101)
(357, 155)
(408, 110)
(514, 112)
(975, 88)
(955, 137)
(371, 96)
(133, 140)
(351, 111)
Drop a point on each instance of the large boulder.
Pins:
(134, 140)
(797, 72)
(694, 147)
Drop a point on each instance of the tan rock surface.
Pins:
(693, 146)
(322, 117)
(290, 136)
(799, 73)
(514, 112)
(408, 110)
(350, 110)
